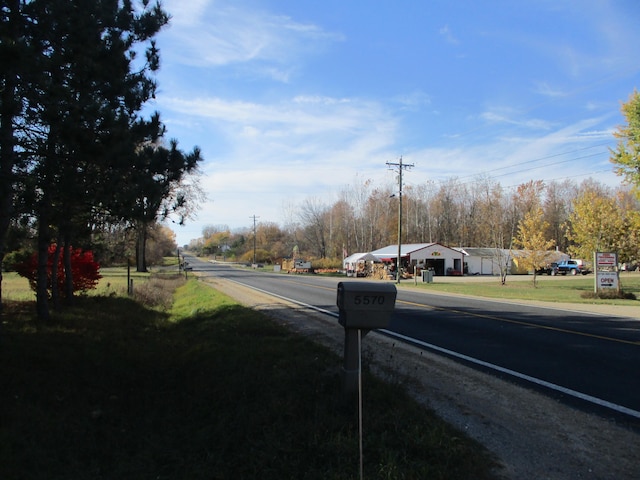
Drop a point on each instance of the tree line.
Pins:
(78, 158)
(575, 218)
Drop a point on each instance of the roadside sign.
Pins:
(606, 259)
(606, 271)
(607, 280)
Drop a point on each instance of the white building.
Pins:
(359, 264)
(485, 261)
(443, 260)
(488, 261)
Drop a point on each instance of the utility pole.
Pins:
(254, 238)
(399, 167)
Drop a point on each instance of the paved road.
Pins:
(571, 354)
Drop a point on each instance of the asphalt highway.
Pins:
(576, 356)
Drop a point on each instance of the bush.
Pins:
(262, 256)
(157, 292)
(85, 271)
(609, 295)
(14, 258)
(326, 263)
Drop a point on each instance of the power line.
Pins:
(548, 165)
(514, 172)
(539, 160)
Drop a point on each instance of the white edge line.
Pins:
(522, 376)
(513, 373)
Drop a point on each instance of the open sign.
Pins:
(607, 280)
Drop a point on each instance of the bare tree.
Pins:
(314, 219)
(557, 207)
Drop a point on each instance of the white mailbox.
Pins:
(366, 305)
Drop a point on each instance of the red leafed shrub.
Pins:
(85, 270)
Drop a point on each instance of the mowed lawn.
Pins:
(571, 289)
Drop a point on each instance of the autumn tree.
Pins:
(629, 246)
(528, 197)
(272, 240)
(216, 239)
(161, 243)
(626, 156)
(531, 238)
(447, 212)
(595, 225)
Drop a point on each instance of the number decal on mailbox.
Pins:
(368, 299)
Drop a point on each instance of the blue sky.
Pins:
(298, 99)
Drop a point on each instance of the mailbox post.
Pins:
(363, 306)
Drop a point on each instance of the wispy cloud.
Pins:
(546, 90)
(300, 115)
(305, 129)
(414, 100)
(189, 13)
(510, 117)
(447, 34)
(230, 34)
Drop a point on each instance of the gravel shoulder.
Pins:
(533, 435)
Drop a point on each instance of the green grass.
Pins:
(206, 389)
(114, 281)
(564, 289)
(16, 287)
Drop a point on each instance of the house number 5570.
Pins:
(369, 299)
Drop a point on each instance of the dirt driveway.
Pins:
(533, 435)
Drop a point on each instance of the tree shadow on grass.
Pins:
(114, 390)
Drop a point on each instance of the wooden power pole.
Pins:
(399, 167)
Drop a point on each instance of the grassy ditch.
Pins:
(206, 389)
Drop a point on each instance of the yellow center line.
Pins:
(496, 318)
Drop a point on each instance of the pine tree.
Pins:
(12, 59)
(83, 93)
